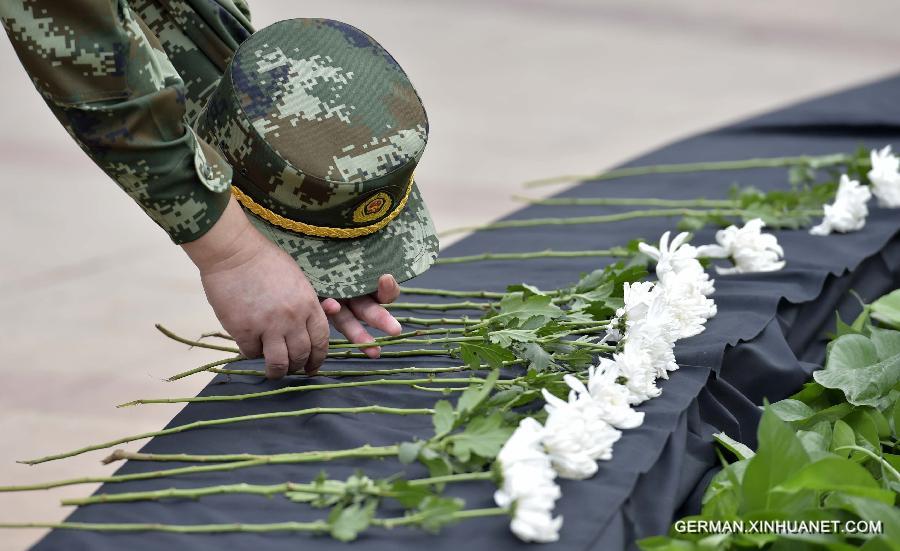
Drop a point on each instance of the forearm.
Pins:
(230, 242)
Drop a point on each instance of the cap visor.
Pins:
(345, 268)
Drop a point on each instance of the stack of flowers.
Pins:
(582, 430)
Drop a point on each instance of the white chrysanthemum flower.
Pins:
(688, 304)
(637, 298)
(575, 436)
(635, 367)
(608, 398)
(749, 249)
(849, 210)
(885, 177)
(656, 333)
(676, 256)
(529, 485)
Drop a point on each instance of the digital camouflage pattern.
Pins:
(323, 127)
(404, 248)
(315, 117)
(126, 79)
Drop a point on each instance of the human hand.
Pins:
(368, 309)
(261, 297)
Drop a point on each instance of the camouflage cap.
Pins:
(323, 130)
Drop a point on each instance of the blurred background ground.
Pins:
(515, 90)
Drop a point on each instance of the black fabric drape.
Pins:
(764, 343)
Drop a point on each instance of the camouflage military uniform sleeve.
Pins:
(109, 82)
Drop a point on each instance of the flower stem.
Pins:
(436, 321)
(198, 344)
(305, 388)
(351, 373)
(389, 342)
(631, 201)
(370, 372)
(387, 339)
(285, 458)
(467, 305)
(744, 164)
(600, 219)
(344, 354)
(207, 367)
(263, 490)
(316, 526)
(229, 420)
(416, 518)
(451, 293)
(527, 256)
(876, 457)
(217, 335)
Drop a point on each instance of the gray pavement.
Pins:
(515, 89)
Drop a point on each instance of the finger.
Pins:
(317, 327)
(345, 322)
(298, 349)
(250, 347)
(374, 314)
(388, 289)
(277, 360)
(330, 306)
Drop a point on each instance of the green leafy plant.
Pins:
(829, 452)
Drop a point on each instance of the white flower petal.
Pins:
(849, 210)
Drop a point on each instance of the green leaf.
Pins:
(475, 354)
(409, 451)
(538, 358)
(691, 223)
(780, 454)
(741, 451)
(881, 422)
(437, 464)
(810, 394)
(837, 474)
(886, 309)
(483, 436)
(443, 417)
(347, 522)
(853, 367)
(723, 495)
(886, 341)
(864, 428)
(526, 289)
(815, 443)
(829, 414)
(665, 543)
(842, 435)
(858, 327)
(437, 512)
(592, 281)
(870, 509)
(505, 337)
(473, 396)
(408, 495)
(516, 306)
(895, 418)
(792, 410)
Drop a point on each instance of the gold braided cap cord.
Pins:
(318, 231)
